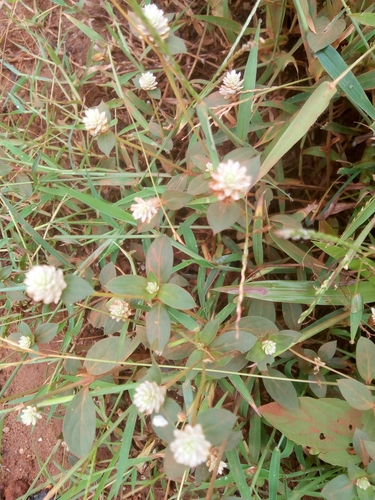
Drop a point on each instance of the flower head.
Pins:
(95, 121)
(363, 483)
(45, 283)
(145, 210)
(152, 287)
(119, 310)
(232, 85)
(30, 415)
(269, 347)
(190, 447)
(149, 397)
(25, 342)
(212, 460)
(209, 167)
(157, 20)
(147, 81)
(230, 181)
(159, 421)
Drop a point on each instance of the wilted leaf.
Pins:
(79, 424)
(77, 289)
(326, 33)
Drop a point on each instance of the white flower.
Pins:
(157, 20)
(230, 181)
(159, 421)
(363, 483)
(373, 313)
(269, 347)
(190, 446)
(149, 397)
(212, 460)
(95, 121)
(45, 283)
(119, 310)
(293, 234)
(152, 287)
(24, 342)
(147, 81)
(232, 85)
(30, 415)
(145, 210)
(209, 167)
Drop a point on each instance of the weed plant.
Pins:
(199, 188)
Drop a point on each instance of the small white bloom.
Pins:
(95, 121)
(45, 283)
(147, 81)
(24, 342)
(269, 347)
(209, 167)
(149, 397)
(230, 181)
(190, 446)
(30, 415)
(159, 421)
(119, 310)
(232, 85)
(373, 313)
(363, 483)
(293, 234)
(157, 20)
(152, 287)
(212, 460)
(145, 210)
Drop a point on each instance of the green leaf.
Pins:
(159, 260)
(365, 359)
(209, 332)
(106, 142)
(89, 32)
(158, 327)
(169, 411)
(77, 289)
(340, 488)
(106, 354)
(131, 286)
(221, 215)
(326, 33)
(108, 273)
(366, 18)
(174, 199)
(282, 391)
(45, 332)
(356, 311)
(80, 423)
(173, 470)
(325, 425)
(175, 296)
(241, 341)
(356, 394)
(175, 45)
(217, 424)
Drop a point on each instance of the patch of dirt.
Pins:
(26, 451)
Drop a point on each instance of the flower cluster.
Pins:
(30, 415)
(95, 121)
(148, 81)
(119, 310)
(145, 210)
(149, 397)
(190, 447)
(230, 181)
(45, 283)
(232, 85)
(25, 342)
(157, 20)
(269, 347)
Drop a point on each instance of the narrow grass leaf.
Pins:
(273, 475)
(238, 474)
(89, 32)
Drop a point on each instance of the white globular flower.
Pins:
(190, 447)
(25, 342)
(30, 415)
(269, 347)
(230, 181)
(232, 85)
(152, 287)
(119, 310)
(159, 421)
(209, 167)
(149, 397)
(148, 81)
(95, 121)
(145, 210)
(157, 20)
(45, 283)
(212, 461)
(363, 483)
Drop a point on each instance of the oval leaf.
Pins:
(46, 332)
(340, 488)
(356, 394)
(282, 391)
(133, 287)
(158, 327)
(222, 215)
(241, 341)
(159, 260)
(217, 424)
(112, 349)
(79, 424)
(175, 296)
(365, 358)
(77, 289)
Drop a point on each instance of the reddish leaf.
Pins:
(158, 327)
(159, 259)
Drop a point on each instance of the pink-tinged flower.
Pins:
(190, 447)
(45, 283)
(145, 210)
(230, 181)
(95, 122)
